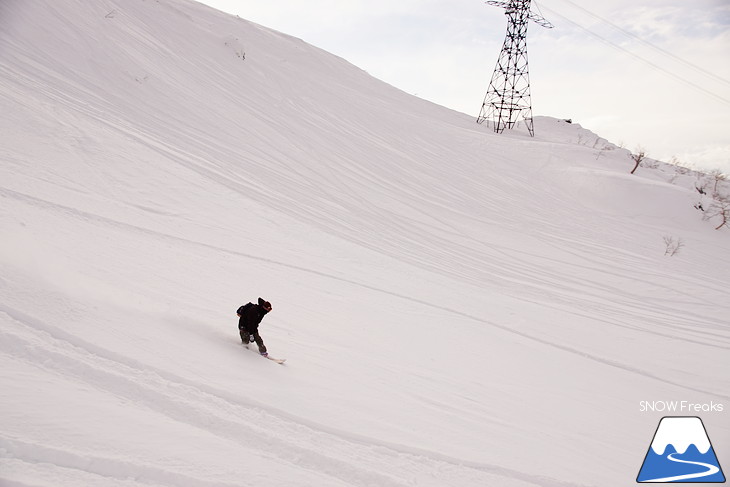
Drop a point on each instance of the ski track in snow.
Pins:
(545, 290)
(344, 458)
(76, 213)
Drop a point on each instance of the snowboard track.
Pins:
(251, 425)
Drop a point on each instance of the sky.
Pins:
(651, 76)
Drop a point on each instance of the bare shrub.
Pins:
(720, 208)
(672, 245)
(717, 177)
(637, 158)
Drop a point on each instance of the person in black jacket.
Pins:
(249, 317)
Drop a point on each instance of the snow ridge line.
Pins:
(266, 430)
(604, 361)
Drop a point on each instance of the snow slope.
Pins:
(458, 308)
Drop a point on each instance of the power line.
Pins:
(646, 61)
(648, 43)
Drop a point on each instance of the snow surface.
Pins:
(457, 307)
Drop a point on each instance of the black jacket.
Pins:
(251, 315)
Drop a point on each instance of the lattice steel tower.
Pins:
(508, 95)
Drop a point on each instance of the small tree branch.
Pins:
(638, 157)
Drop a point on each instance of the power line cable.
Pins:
(646, 61)
(648, 43)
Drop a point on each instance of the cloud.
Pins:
(667, 23)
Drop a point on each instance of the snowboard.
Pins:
(277, 360)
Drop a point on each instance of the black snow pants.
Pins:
(246, 339)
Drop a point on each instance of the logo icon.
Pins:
(680, 452)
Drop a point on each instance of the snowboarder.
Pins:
(249, 317)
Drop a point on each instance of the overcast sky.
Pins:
(653, 74)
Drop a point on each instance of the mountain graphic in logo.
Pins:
(681, 452)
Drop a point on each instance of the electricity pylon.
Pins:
(508, 95)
